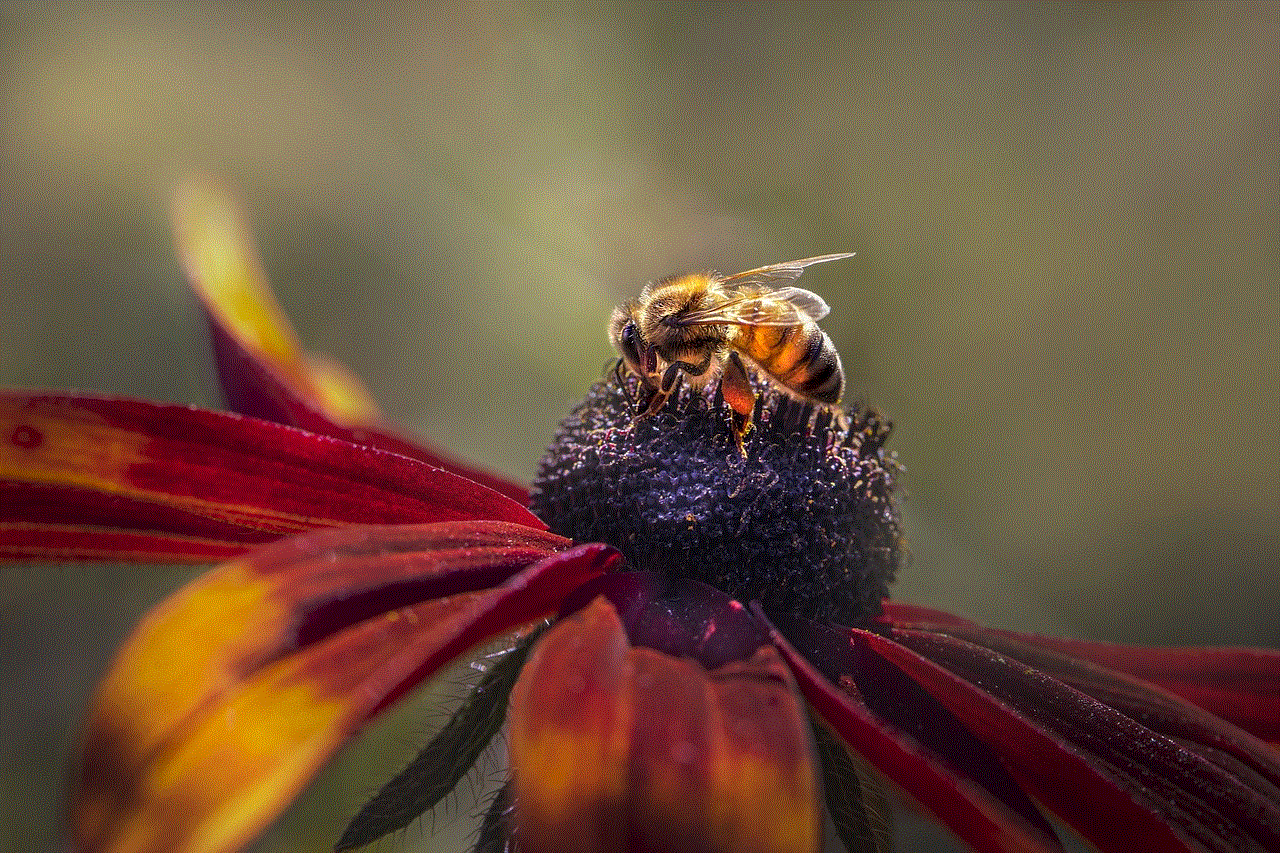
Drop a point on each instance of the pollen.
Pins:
(806, 521)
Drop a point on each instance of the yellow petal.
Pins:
(217, 775)
(230, 695)
(217, 252)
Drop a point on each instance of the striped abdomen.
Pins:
(800, 358)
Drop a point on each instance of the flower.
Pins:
(656, 712)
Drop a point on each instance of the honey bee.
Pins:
(704, 325)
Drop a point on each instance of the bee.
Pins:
(705, 325)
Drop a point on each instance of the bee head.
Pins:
(626, 339)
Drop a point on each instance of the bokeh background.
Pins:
(1066, 292)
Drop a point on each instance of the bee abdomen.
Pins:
(823, 379)
(778, 349)
(802, 358)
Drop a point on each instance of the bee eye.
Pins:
(629, 334)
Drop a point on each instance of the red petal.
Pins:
(1240, 685)
(37, 541)
(629, 749)
(975, 816)
(265, 372)
(1120, 785)
(1150, 705)
(81, 475)
(900, 612)
(569, 738)
(217, 710)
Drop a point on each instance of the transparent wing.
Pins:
(776, 275)
(783, 306)
(806, 303)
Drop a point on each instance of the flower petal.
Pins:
(1152, 706)
(265, 372)
(616, 748)
(218, 254)
(901, 612)
(291, 594)
(23, 541)
(1239, 685)
(1121, 785)
(229, 697)
(973, 813)
(92, 477)
(569, 736)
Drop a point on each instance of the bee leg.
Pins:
(651, 397)
(649, 402)
(670, 378)
(620, 379)
(691, 368)
(735, 385)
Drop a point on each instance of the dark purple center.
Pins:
(806, 523)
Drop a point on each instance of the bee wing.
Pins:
(776, 275)
(806, 303)
(783, 306)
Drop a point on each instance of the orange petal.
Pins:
(218, 254)
(232, 693)
(265, 373)
(620, 748)
(725, 753)
(570, 731)
(219, 629)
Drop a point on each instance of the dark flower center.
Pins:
(805, 523)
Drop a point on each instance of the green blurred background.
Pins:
(1066, 292)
